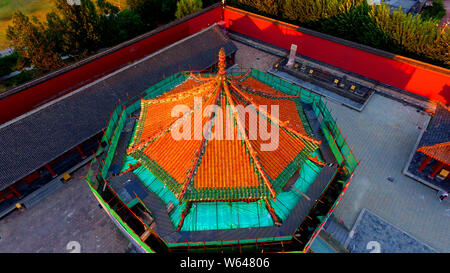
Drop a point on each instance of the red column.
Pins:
(81, 152)
(437, 168)
(424, 163)
(15, 191)
(50, 170)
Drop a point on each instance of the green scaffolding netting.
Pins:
(286, 201)
(128, 160)
(226, 215)
(156, 186)
(114, 141)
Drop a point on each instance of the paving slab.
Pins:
(68, 220)
(383, 135)
(372, 234)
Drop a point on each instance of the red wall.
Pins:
(434, 85)
(24, 101)
(414, 78)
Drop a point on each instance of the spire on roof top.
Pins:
(222, 61)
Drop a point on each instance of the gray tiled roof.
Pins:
(34, 140)
(438, 130)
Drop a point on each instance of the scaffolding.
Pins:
(231, 213)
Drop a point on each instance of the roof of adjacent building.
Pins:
(440, 152)
(41, 136)
(435, 141)
(438, 130)
(221, 157)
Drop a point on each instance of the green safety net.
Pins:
(226, 215)
(286, 201)
(114, 141)
(128, 160)
(156, 186)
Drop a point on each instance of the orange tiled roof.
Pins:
(201, 168)
(440, 152)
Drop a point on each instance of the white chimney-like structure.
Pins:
(291, 60)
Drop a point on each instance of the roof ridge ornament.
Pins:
(222, 62)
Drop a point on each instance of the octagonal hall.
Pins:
(215, 158)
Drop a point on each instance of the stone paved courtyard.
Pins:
(383, 136)
(69, 214)
(371, 234)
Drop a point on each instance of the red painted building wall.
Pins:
(413, 76)
(25, 100)
(409, 75)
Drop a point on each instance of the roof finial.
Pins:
(222, 62)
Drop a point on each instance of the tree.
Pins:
(8, 63)
(71, 30)
(117, 25)
(168, 9)
(108, 26)
(207, 3)
(153, 11)
(417, 37)
(186, 7)
(55, 28)
(143, 8)
(271, 8)
(355, 25)
(33, 43)
(435, 11)
(130, 24)
(314, 10)
(81, 34)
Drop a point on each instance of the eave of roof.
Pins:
(438, 130)
(440, 152)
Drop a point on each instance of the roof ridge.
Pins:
(200, 78)
(247, 142)
(199, 153)
(277, 121)
(436, 145)
(260, 93)
(180, 95)
(166, 129)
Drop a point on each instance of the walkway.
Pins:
(69, 214)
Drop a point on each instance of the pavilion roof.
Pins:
(220, 157)
(440, 152)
